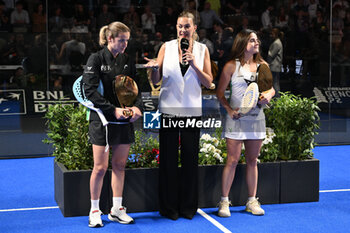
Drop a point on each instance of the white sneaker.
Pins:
(224, 210)
(253, 207)
(119, 215)
(95, 219)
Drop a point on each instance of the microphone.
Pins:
(184, 44)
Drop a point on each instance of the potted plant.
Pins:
(67, 132)
(294, 120)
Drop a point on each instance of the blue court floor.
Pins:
(27, 204)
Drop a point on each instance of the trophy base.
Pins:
(155, 93)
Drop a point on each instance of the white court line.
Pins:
(199, 210)
(25, 209)
(224, 229)
(334, 190)
(213, 221)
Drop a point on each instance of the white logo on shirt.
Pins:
(105, 68)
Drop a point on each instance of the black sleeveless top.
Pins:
(184, 68)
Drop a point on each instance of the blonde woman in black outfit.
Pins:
(102, 68)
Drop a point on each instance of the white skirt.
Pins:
(241, 129)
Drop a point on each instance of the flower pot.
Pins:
(279, 182)
(72, 191)
(299, 181)
(141, 189)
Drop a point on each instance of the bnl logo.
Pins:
(151, 120)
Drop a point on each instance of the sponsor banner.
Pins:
(43, 99)
(12, 102)
(338, 96)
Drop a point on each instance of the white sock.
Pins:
(224, 198)
(117, 202)
(95, 204)
(251, 198)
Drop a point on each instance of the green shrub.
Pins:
(294, 120)
(68, 134)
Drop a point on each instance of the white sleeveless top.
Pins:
(251, 125)
(181, 95)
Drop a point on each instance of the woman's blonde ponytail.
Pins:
(112, 30)
(102, 35)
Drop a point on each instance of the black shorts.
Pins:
(117, 134)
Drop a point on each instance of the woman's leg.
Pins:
(96, 182)
(189, 172)
(120, 155)
(168, 173)
(98, 171)
(234, 148)
(252, 151)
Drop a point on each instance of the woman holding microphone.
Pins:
(184, 65)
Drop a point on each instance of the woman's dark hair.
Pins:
(240, 44)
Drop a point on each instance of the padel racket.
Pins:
(78, 91)
(250, 98)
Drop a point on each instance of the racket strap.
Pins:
(107, 144)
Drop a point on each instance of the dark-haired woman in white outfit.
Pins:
(249, 129)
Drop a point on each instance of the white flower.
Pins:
(267, 140)
(207, 146)
(269, 136)
(218, 157)
(206, 155)
(218, 151)
(270, 131)
(204, 150)
(215, 141)
(211, 148)
(206, 137)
